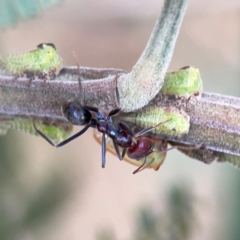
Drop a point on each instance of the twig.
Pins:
(147, 76)
(215, 119)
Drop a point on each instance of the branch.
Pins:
(147, 76)
(17, 98)
(215, 119)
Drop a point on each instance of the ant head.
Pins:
(76, 114)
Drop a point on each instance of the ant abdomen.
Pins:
(141, 149)
(76, 114)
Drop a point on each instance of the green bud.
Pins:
(43, 61)
(56, 131)
(178, 121)
(184, 82)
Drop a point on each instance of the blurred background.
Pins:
(48, 193)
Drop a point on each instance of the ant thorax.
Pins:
(125, 139)
(104, 127)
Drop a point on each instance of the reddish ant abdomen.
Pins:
(141, 149)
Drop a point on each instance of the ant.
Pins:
(79, 114)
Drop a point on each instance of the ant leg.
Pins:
(138, 169)
(181, 147)
(125, 127)
(142, 167)
(73, 137)
(124, 152)
(93, 109)
(103, 150)
(117, 150)
(114, 112)
(65, 141)
(150, 128)
(185, 147)
(41, 134)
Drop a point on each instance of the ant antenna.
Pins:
(79, 75)
(75, 57)
(142, 167)
(150, 128)
(117, 92)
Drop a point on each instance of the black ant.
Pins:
(79, 114)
